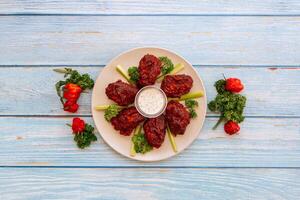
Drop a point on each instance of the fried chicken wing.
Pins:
(176, 85)
(121, 93)
(127, 120)
(177, 117)
(155, 130)
(149, 69)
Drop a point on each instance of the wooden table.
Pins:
(257, 41)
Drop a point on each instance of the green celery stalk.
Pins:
(132, 150)
(191, 95)
(136, 131)
(178, 67)
(101, 107)
(172, 139)
(123, 73)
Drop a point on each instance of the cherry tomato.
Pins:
(231, 127)
(234, 85)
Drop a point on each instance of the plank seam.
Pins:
(151, 15)
(143, 167)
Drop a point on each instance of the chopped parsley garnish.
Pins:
(167, 65)
(84, 81)
(112, 111)
(140, 143)
(133, 74)
(229, 105)
(86, 137)
(191, 104)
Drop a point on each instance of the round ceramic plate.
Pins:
(121, 143)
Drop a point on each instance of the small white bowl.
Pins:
(143, 112)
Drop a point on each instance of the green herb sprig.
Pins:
(112, 111)
(73, 76)
(229, 105)
(167, 65)
(140, 143)
(133, 74)
(85, 138)
(191, 104)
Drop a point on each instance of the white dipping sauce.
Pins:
(151, 101)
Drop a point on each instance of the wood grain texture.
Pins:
(30, 90)
(205, 40)
(192, 7)
(262, 142)
(150, 184)
(241, 35)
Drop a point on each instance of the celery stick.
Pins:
(178, 67)
(132, 150)
(172, 140)
(101, 107)
(160, 78)
(191, 95)
(136, 131)
(123, 73)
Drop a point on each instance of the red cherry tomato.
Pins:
(73, 88)
(71, 106)
(234, 85)
(78, 125)
(231, 127)
(72, 91)
(71, 96)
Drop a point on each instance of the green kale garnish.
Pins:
(229, 105)
(73, 76)
(140, 143)
(167, 65)
(220, 86)
(133, 74)
(193, 113)
(85, 138)
(111, 111)
(191, 104)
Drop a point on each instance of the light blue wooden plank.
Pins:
(270, 92)
(150, 7)
(262, 142)
(214, 40)
(150, 184)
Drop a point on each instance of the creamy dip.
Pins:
(150, 101)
